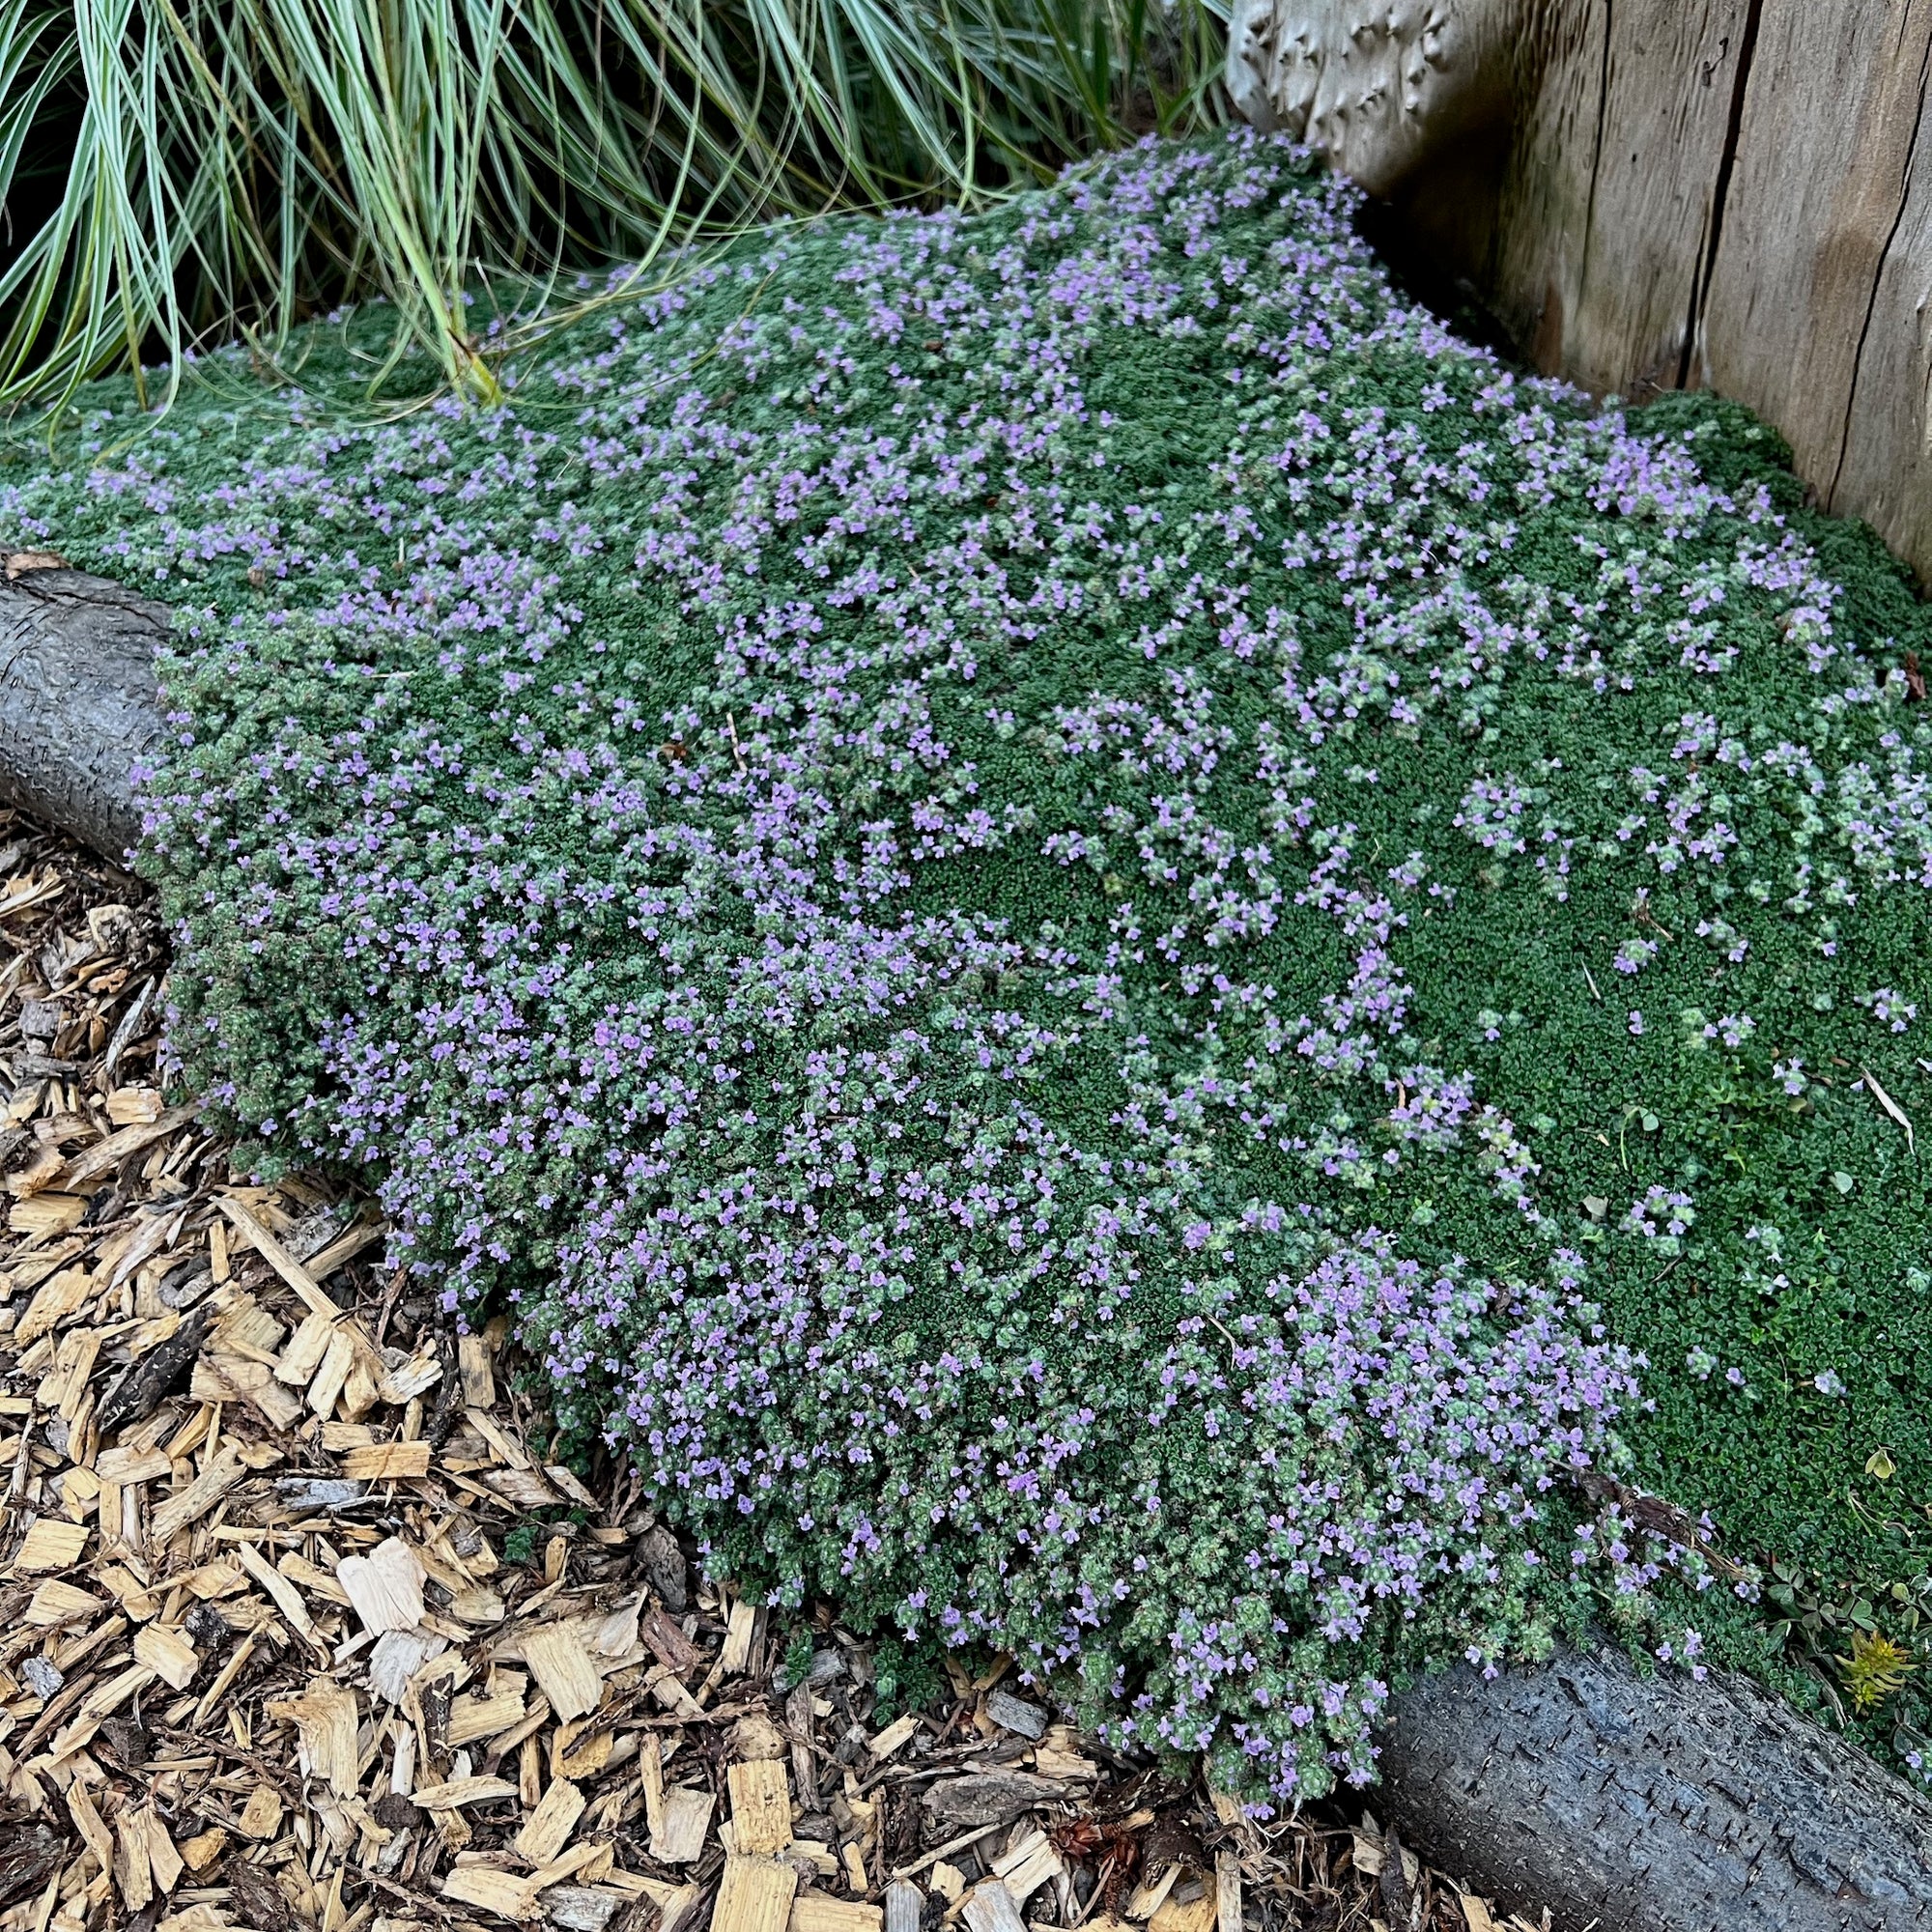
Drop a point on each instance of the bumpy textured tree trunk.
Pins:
(1653, 194)
(1632, 1804)
(79, 708)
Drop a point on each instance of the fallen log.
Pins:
(1625, 1801)
(1653, 1803)
(79, 705)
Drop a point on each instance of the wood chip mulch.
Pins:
(304, 1626)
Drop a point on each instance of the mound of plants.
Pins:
(1121, 954)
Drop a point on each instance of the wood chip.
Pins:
(896, 1734)
(472, 1363)
(679, 1839)
(475, 1717)
(760, 1807)
(1227, 1890)
(739, 1630)
(324, 1717)
(1015, 1714)
(199, 1497)
(905, 1904)
(457, 1792)
(548, 1829)
(1475, 1913)
(50, 1544)
(498, 1892)
(58, 1298)
(563, 1670)
(87, 1821)
(667, 1644)
(286, 1597)
(167, 1653)
(387, 1463)
(57, 1602)
(756, 1894)
(386, 1586)
(814, 1911)
(989, 1907)
(164, 1861)
(262, 1816)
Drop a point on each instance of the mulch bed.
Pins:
(302, 1624)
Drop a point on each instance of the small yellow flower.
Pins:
(1876, 1669)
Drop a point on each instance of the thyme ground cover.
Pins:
(1114, 946)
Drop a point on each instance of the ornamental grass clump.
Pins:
(1112, 947)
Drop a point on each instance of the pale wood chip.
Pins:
(1476, 1915)
(1027, 1866)
(56, 1603)
(87, 1821)
(1227, 1889)
(396, 1656)
(310, 1579)
(756, 1894)
(760, 1806)
(989, 1907)
(57, 1298)
(387, 1461)
(50, 1544)
(168, 1654)
(305, 1348)
(164, 1861)
(386, 1586)
(739, 1629)
(314, 1296)
(567, 1480)
(1190, 1914)
(43, 1214)
(222, 1376)
(420, 1373)
(679, 1839)
(262, 1816)
(325, 1719)
(473, 1362)
(133, 1465)
(814, 1911)
(548, 1829)
(905, 1903)
(200, 1497)
(284, 1596)
(505, 1446)
(107, 1154)
(326, 1386)
(457, 1792)
(901, 1731)
(475, 1717)
(565, 1672)
(491, 1891)
(133, 1878)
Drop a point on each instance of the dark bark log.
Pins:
(1644, 1802)
(79, 708)
(1638, 1804)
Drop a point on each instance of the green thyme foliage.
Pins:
(1046, 891)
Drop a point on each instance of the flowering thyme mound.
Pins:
(1048, 889)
